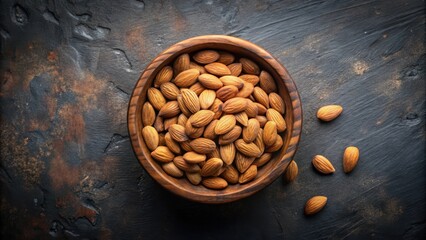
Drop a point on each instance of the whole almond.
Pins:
(216, 183)
(315, 204)
(225, 124)
(235, 105)
(172, 144)
(182, 106)
(196, 66)
(182, 119)
(206, 56)
(218, 69)
(248, 175)
(243, 162)
(191, 131)
(253, 79)
(148, 114)
(329, 112)
(230, 136)
(170, 121)
(214, 154)
(235, 69)
(276, 102)
(226, 92)
(150, 136)
(170, 109)
(162, 154)
(190, 99)
(169, 90)
(249, 66)
(202, 145)
(259, 141)
(194, 178)
(210, 81)
(262, 160)
(322, 164)
(276, 146)
(261, 96)
(225, 58)
(207, 98)
(251, 109)
(158, 124)
(156, 99)
(250, 132)
(185, 145)
(171, 169)
(163, 76)
(274, 115)
(197, 88)
(216, 107)
(291, 171)
(187, 78)
(181, 64)
(246, 90)
(193, 157)
(261, 110)
(230, 174)
(242, 118)
(201, 118)
(183, 165)
(232, 81)
(177, 132)
(227, 152)
(248, 149)
(262, 120)
(350, 158)
(270, 133)
(212, 166)
(209, 130)
(266, 82)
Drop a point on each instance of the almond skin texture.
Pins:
(315, 204)
(322, 164)
(261, 96)
(148, 114)
(242, 118)
(262, 160)
(169, 121)
(216, 107)
(251, 109)
(231, 175)
(172, 144)
(156, 99)
(227, 92)
(248, 149)
(276, 102)
(207, 98)
(246, 90)
(249, 66)
(201, 118)
(274, 115)
(203, 145)
(216, 183)
(170, 109)
(193, 157)
(209, 130)
(235, 69)
(177, 132)
(191, 101)
(235, 105)
(182, 119)
(193, 132)
(206, 56)
(196, 66)
(197, 88)
(150, 136)
(261, 110)
(248, 175)
(259, 141)
(187, 78)
(266, 82)
(163, 76)
(250, 132)
(276, 146)
(194, 178)
(262, 120)
(169, 90)
(270, 133)
(182, 106)
(225, 58)
(230, 136)
(181, 64)
(212, 166)
(163, 154)
(158, 124)
(218, 69)
(243, 162)
(291, 172)
(232, 80)
(329, 112)
(210, 81)
(227, 152)
(350, 158)
(253, 79)
(225, 124)
(171, 169)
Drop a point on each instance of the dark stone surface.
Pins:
(67, 71)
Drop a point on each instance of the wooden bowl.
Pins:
(266, 174)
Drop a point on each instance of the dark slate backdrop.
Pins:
(68, 69)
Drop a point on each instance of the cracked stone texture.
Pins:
(67, 71)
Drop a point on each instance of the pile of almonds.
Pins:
(213, 118)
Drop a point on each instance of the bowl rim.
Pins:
(219, 197)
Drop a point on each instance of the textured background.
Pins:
(68, 69)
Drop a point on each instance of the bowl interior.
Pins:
(267, 173)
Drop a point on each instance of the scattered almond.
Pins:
(291, 171)
(329, 113)
(315, 204)
(350, 158)
(322, 164)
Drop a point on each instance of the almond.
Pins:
(259, 141)
(227, 152)
(156, 99)
(170, 109)
(177, 132)
(262, 160)
(248, 175)
(291, 171)
(172, 144)
(203, 145)
(158, 124)
(232, 81)
(266, 82)
(242, 118)
(250, 132)
(274, 115)
(235, 105)
(253, 79)
(218, 69)
(225, 124)
(329, 112)
(163, 76)
(150, 136)
(243, 162)
(246, 90)
(209, 130)
(350, 158)
(171, 169)
(249, 66)
(322, 164)
(206, 56)
(197, 88)
(248, 149)
(315, 204)
(182, 106)
(207, 98)
(212, 166)
(210, 81)
(251, 109)
(191, 131)
(182, 119)
(276, 146)
(194, 178)
(196, 66)
(262, 120)
(148, 114)
(187, 78)
(230, 174)
(183, 165)
(190, 99)
(181, 64)
(193, 157)
(214, 154)
(276, 102)
(201, 118)
(270, 133)
(230, 136)
(185, 145)
(169, 121)
(261, 96)
(227, 92)
(216, 107)
(216, 183)
(162, 154)
(225, 58)
(261, 110)
(169, 90)
(235, 69)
